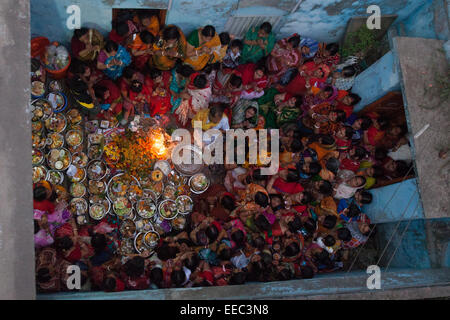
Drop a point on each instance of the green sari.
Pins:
(255, 53)
(268, 110)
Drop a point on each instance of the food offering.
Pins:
(147, 193)
(139, 243)
(170, 192)
(97, 170)
(91, 126)
(74, 117)
(95, 151)
(163, 166)
(82, 220)
(151, 239)
(128, 228)
(78, 206)
(37, 88)
(144, 225)
(74, 138)
(37, 126)
(38, 156)
(42, 109)
(184, 204)
(146, 208)
(178, 223)
(176, 178)
(96, 187)
(56, 123)
(58, 101)
(79, 175)
(80, 159)
(77, 190)
(97, 211)
(55, 177)
(168, 209)
(38, 140)
(157, 175)
(54, 86)
(199, 183)
(39, 173)
(135, 193)
(55, 140)
(122, 206)
(127, 246)
(121, 186)
(61, 194)
(96, 138)
(59, 159)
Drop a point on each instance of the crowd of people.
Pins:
(295, 224)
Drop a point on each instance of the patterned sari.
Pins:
(200, 61)
(164, 62)
(255, 53)
(282, 59)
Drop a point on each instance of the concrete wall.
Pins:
(377, 80)
(16, 198)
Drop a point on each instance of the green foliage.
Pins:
(358, 43)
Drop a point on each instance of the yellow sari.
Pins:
(203, 116)
(200, 61)
(166, 63)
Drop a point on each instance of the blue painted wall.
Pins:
(389, 203)
(377, 80)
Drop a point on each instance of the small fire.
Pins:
(156, 143)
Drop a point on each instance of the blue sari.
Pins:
(115, 72)
(177, 87)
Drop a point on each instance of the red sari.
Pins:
(160, 96)
(298, 84)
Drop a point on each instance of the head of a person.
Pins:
(276, 202)
(166, 252)
(122, 29)
(224, 38)
(201, 237)
(236, 46)
(82, 34)
(80, 68)
(43, 275)
(191, 262)
(228, 203)
(238, 237)
(364, 228)
(129, 73)
(337, 116)
(238, 278)
(264, 30)
(344, 132)
(224, 254)
(235, 81)
(135, 267)
(39, 193)
(380, 154)
(358, 153)
(325, 93)
(294, 41)
(260, 70)
(262, 223)
(344, 234)
(401, 168)
(208, 32)
(111, 47)
(98, 242)
(332, 164)
(156, 75)
(64, 243)
(348, 71)
(311, 168)
(185, 70)
(109, 284)
(327, 140)
(329, 221)
(351, 99)
(147, 37)
(303, 198)
(178, 277)
(325, 187)
(136, 86)
(331, 49)
(171, 34)
(357, 182)
(216, 113)
(145, 18)
(363, 197)
(284, 274)
(200, 81)
(362, 123)
(250, 113)
(383, 123)
(156, 276)
(290, 175)
(261, 199)
(329, 241)
(353, 210)
(295, 225)
(259, 243)
(212, 233)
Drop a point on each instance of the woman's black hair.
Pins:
(111, 46)
(262, 223)
(292, 250)
(365, 123)
(326, 188)
(295, 224)
(78, 33)
(314, 168)
(237, 43)
(310, 225)
(267, 27)
(100, 91)
(261, 66)
(261, 199)
(383, 122)
(64, 243)
(200, 81)
(36, 226)
(224, 38)
(166, 252)
(353, 211)
(170, 33)
(298, 101)
(98, 242)
(39, 193)
(192, 262)
(228, 203)
(156, 276)
(348, 132)
(348, 71)
(185, 70)
(147, 37)
(225, 254)
(401, 169)
(296, 146)
(217, 109)
(292, 175)
(344, 234)
(155, 73)
(238, 278)
(78, 67)
(340, 116)
(333, 48)
(136, 86)
(327, 139)
(307, 198)
(178, 277)
(333, 165)
(259, 243)
(238, 237)
(366, 197)
(360, 153)
(201, 237)
(235, 81)
(208, 31)
(266, 258)
(329, 241)
(363, 180)
(43, 275)
(122, 29)
(329, 221)
(323, 258)
(128, 73)
(295, 41)
(306, 272)
(380, 153)
(212, 233)
(257, 176)
(135, 267)
(109, 284)
(329, 90)
(284, 275)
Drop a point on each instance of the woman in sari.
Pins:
(178, 83)
(147, 21)
(113, 59)
(201, 46)
(328, 54)
(142, 49)
(86, 44)
(254, 80)
(279, 108)
(195, 99)
(258, 43)
(170, 47)
(227, 87)
(159, 82)
(285, 55)
(245, 114)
